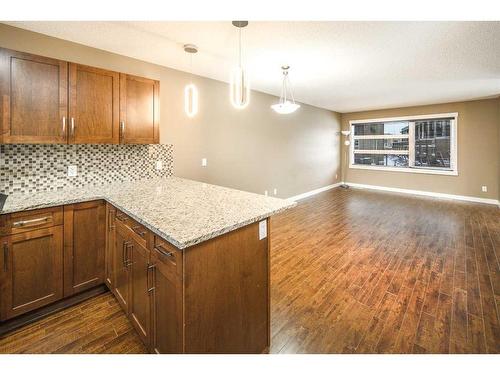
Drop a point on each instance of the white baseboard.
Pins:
(425, 193)
(313, 192)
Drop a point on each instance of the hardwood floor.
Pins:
(352, 271)
(356, 271)
(97, 325)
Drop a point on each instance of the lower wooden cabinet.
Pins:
(121, 267)
(84, 246)
(31, 270)
(166, 304)
(140, 301)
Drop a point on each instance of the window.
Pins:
(421, 144)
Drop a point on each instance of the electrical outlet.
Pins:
(275, 191)
(204, 162)
(72, 171)
(159, 165)
(484, 188)
(265, 193)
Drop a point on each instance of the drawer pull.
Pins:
(5, 256)
(164, 251)
(138, 231)
(23, 223)
(121, 217)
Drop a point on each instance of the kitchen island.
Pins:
(187, 261)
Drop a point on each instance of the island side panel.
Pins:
(226, 294)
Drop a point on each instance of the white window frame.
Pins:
(452, 171)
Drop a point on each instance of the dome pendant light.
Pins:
(190, 91)
(285, 106)
(239, 88)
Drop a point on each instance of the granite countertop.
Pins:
(183, 212)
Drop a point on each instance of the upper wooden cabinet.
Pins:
(43, 100)
(139, 109)
(33, 95)
(94, 99)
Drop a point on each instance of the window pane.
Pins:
(433, 143)
(381, 144)
(381, 160)
(381, 128)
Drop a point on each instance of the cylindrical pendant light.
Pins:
(191, 91)
(239, 90)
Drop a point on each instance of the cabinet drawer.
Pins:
(19, 222)
(168, 255)
(139, 232)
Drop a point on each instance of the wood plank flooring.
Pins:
(352, 271)
(356, 271)
(97, 325)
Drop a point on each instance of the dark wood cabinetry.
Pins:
(209, 298)
(84, 246)
(140, 301)
(44, 100)
(93, 105)
(121, 266)
(167, 335)
(33, 98)
(31, 270)
(139, 109)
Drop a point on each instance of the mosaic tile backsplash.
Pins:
(33, 168)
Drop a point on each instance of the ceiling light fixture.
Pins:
(191, 91)
(285, 106)
(239, 88)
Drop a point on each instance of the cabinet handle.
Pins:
(121, 217)
(22, 223)
(5, 256)
(152, 268)
(128, 246)
(72, 126)
(64, 126)
(164, 251)
(122, 130)
(137, 231)
(124, 253)
(110, 223)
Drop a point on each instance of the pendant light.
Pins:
(239, 88)
(285, 106)
(190, 91)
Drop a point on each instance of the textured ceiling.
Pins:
(342, 66)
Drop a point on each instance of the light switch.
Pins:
(262, 229)
(72, 171)
(204, 162)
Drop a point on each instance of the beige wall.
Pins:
(478, 151)
(252, 149)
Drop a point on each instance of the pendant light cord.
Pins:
(240, 47)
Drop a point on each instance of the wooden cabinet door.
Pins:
(33, 98)
(139, 109)
(84, 246)
(93, 105)
(110, 243)
(166, 305)
(31, 271)
(121, 266)
(140, 305)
